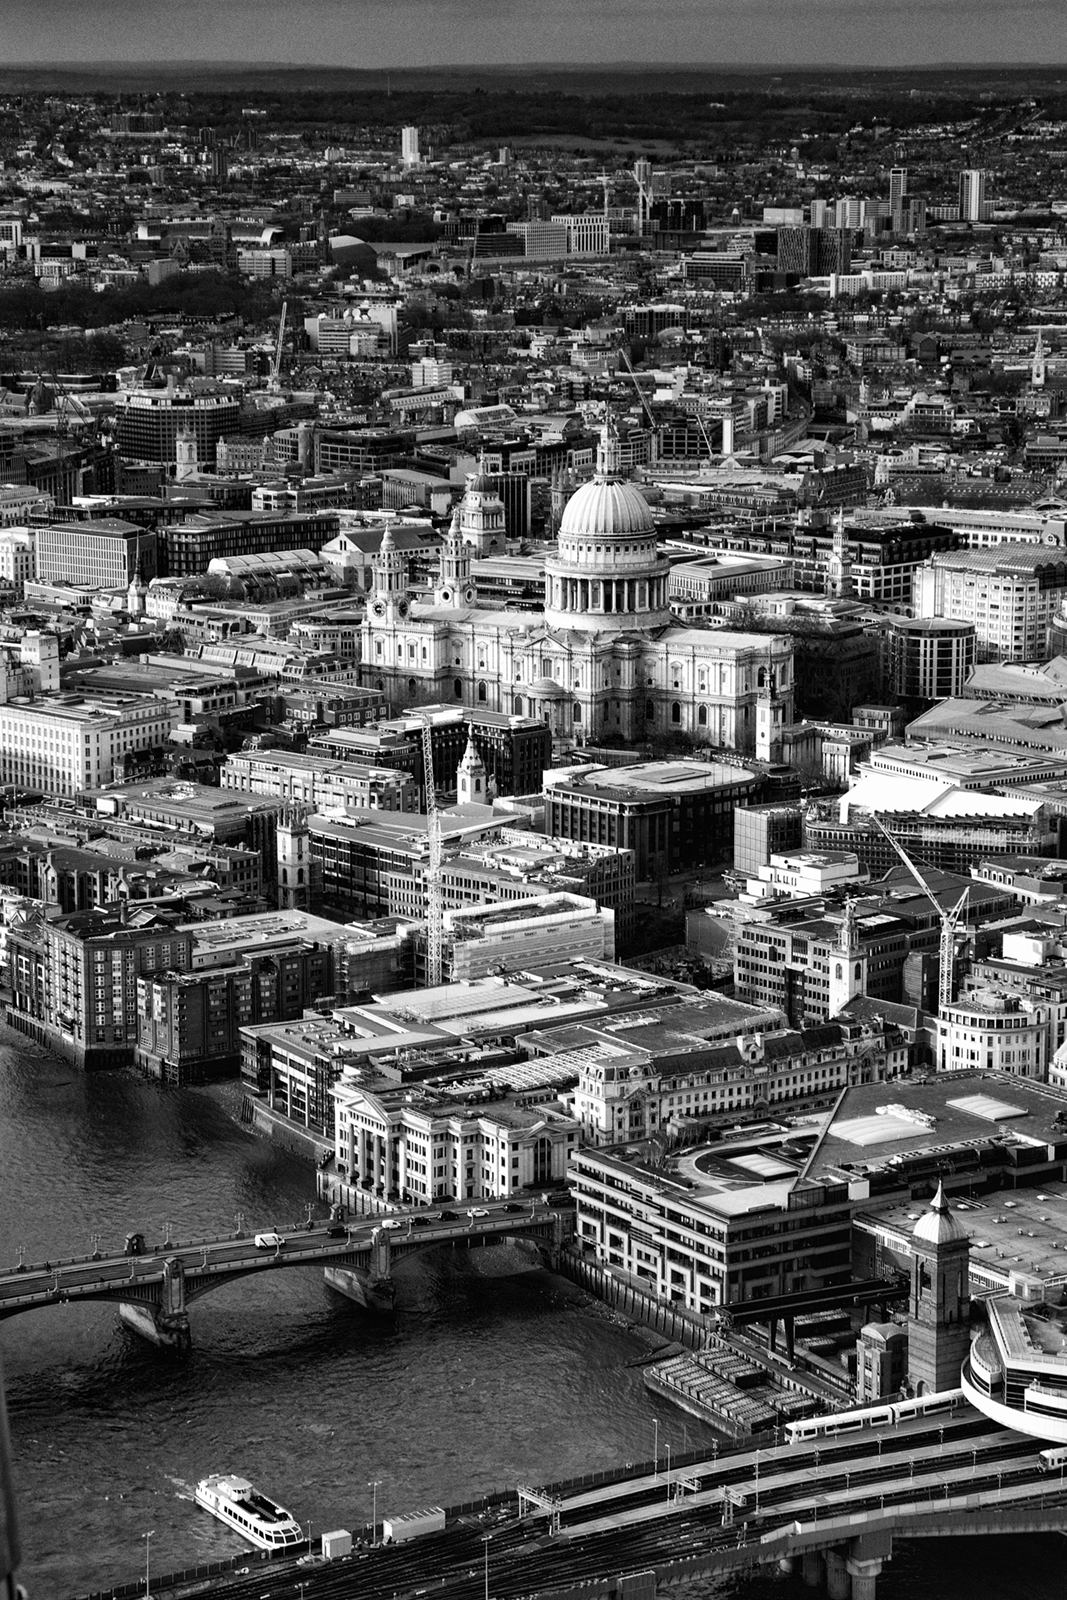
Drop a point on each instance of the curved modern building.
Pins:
(1016, 1371)
(148, 423)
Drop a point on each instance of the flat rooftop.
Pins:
(648, 779)
(1013, 1230)
(263, 928)
(878, 1126)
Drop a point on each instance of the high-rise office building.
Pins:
(972, 194)
(813, 251)
(849, 212)
(795, 251)
(409, 147)
(898, 189)
(817, 213)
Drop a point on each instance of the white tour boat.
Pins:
(256, 1518)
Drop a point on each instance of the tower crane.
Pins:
(949, 920)
(274, 381)
(434, 874)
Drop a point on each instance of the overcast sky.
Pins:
(382, 33)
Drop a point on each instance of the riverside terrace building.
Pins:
(188, 1023)
(671, 814)
(883, 552)
(102, 553)
(66, 744)
(313, 781)
(74, 979)
(790, 1203)
(425, 1144)
(187, 548)
(462, 1031)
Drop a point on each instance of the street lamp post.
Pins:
(486, 1537)
(148, 1562)
(374, 1485)
(668, 1471)
(655, 1446)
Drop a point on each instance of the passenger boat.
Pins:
(257, 1519)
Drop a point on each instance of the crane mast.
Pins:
(274, 382)
(434, 877)
(950, 921)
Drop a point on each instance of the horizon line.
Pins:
(779, 69)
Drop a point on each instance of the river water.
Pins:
(490, 1373)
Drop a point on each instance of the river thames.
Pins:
(491, 1372)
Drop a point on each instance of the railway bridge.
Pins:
(829, 1504)
(154, 1289)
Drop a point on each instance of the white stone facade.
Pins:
(604, 657)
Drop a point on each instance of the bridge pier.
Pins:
(864, 1578)
(371, 1287)
(838, 1584)
(355, 1283)
(866, 1557)
(811, 1568)
(164, 1323)
(166, 1330)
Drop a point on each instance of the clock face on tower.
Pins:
(402, 608)
(378, 609)
(468, 595)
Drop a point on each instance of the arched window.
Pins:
(676, 711)
(299, 874)
(482, 691)
(516, 705)
(702, 716)
(457, 687)
(412, 686)
(577, 711)
(761, 678)
(380, 685)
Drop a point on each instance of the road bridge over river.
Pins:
(833, 1505)
(153, 1290)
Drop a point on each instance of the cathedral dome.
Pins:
(606, 508)
(606, 574)
(939, 1225)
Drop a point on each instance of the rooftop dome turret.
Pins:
(939, 1225)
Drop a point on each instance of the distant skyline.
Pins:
(411, 33)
